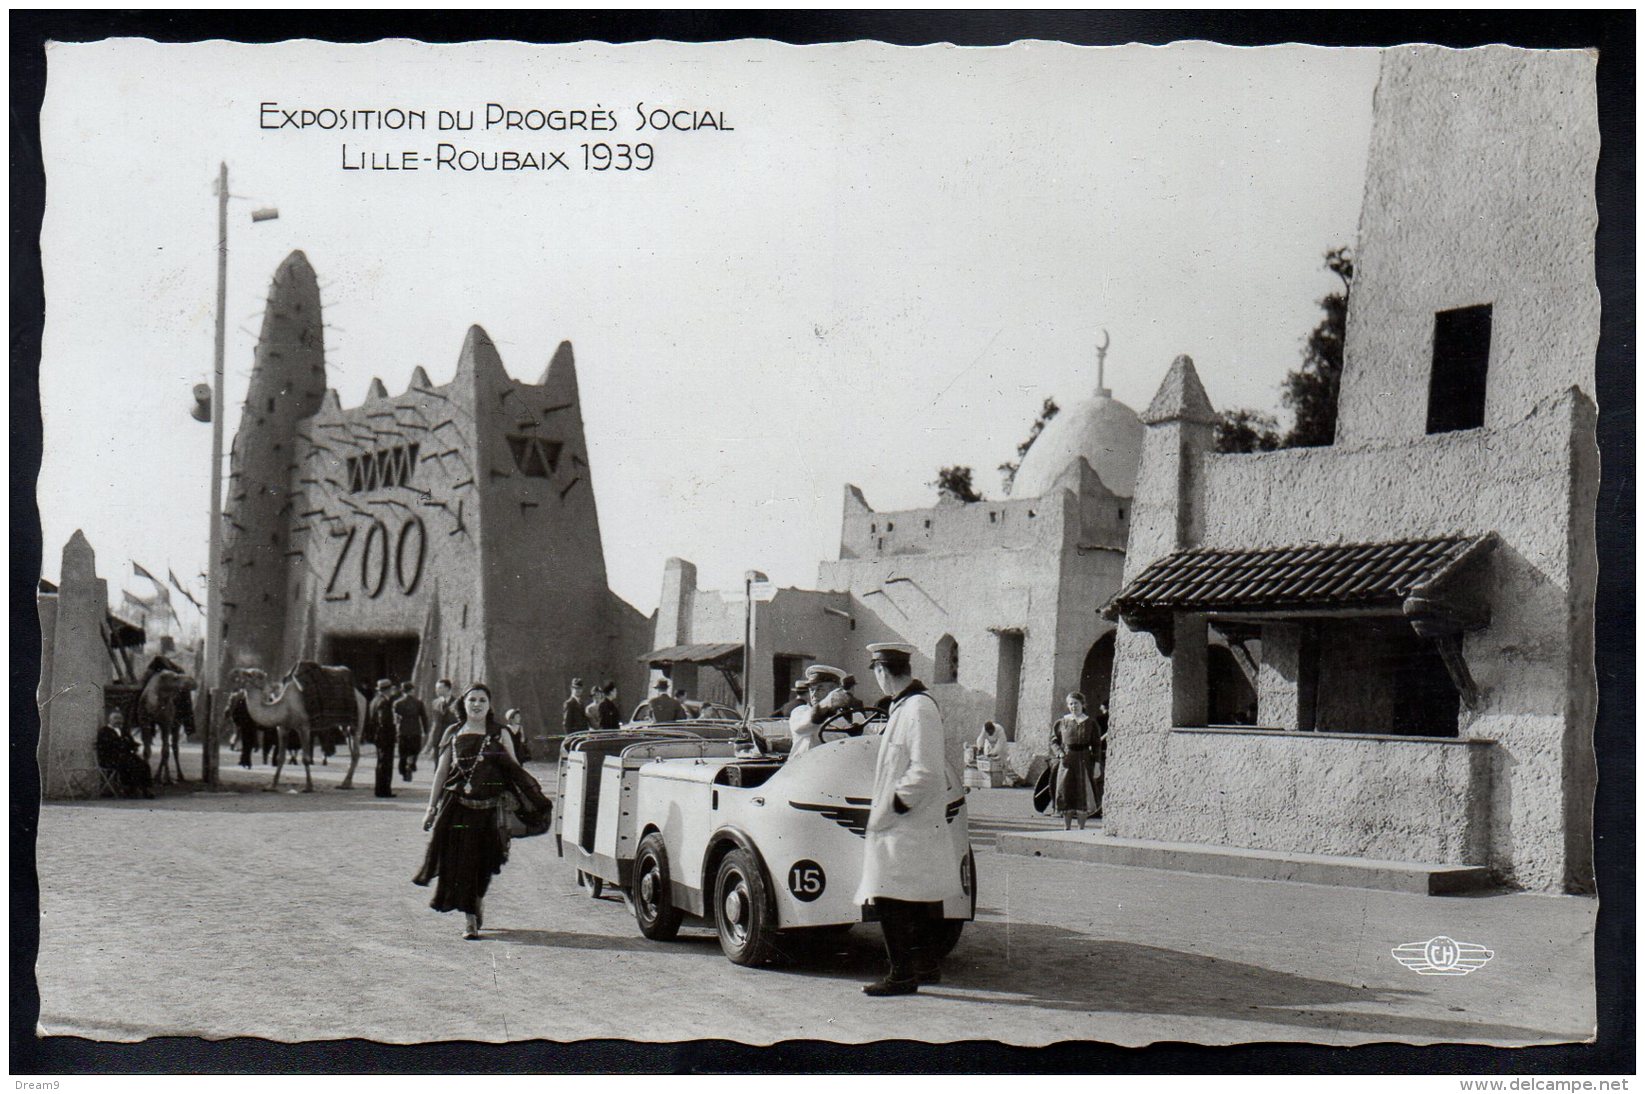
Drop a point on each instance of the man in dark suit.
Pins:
(574, 718)
(440, 716)
(611, 717)
(117, 755)
(410, 722)
(664, 707)
(380, 727)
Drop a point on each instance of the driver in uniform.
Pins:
(826, 696)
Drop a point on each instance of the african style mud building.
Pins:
(447, 531)
(996, 596)
(1412, 607)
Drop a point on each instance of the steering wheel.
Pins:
(849, 722)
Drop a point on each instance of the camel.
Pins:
(285, 710)
(248, 735)
(157, 707)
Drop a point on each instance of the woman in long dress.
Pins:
(475, 779)
(1075, 740)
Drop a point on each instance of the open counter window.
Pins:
(1344, 638)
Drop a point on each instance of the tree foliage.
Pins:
(1309, 392)
(1247, 430)
(955, 483)
(1008, 470)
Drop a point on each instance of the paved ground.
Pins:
(292, 917)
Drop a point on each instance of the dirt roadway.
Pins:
(292, 917)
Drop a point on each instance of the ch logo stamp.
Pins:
(1442, 956)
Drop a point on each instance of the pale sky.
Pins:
(882, 267)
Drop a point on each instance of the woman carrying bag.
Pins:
(477, 783)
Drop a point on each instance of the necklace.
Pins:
(465, 766)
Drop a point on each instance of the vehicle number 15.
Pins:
(806, 880)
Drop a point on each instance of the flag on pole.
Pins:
(162, 595)
(186, 595)
(159, 586)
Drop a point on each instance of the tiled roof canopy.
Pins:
(704, 653)
(1308, 577)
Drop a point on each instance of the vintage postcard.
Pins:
(753, 542)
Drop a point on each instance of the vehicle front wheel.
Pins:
(949, 936)
(653, 897)
(590, 884)
(743, 912)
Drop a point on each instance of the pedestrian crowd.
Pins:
(482, 797)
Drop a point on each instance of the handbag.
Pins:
(1045, 789)
(523, 821)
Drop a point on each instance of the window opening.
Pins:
(1462, 355)
(1334, 675)
(535, 457)
(379, 470)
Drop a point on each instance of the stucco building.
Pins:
(995, 595)
(1412, 606)
(447, 531)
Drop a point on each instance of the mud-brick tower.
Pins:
(288, 382)
(447, 531)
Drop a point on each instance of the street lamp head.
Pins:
(260, 215)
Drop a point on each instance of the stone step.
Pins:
(1205, 858)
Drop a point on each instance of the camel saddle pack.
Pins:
(133, 706)
(328, 693)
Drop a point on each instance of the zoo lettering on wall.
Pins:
(375, 557)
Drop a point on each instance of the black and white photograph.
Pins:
(742, 541)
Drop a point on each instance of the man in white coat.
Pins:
(909, 866)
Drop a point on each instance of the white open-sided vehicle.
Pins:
(764, 848)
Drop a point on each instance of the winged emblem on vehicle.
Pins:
(1442, 956)
(853, 818)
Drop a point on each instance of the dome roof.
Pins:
(1103, 430)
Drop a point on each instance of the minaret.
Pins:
(1168, 508)
(288, 382)
(1102, 360)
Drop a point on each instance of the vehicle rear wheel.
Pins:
(593, 885)
(742, 911)
(949, 936)
(653, 897)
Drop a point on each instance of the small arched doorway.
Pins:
(947, 660)
(1097, 674)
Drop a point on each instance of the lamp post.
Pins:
(749, 580)
(214, 596)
